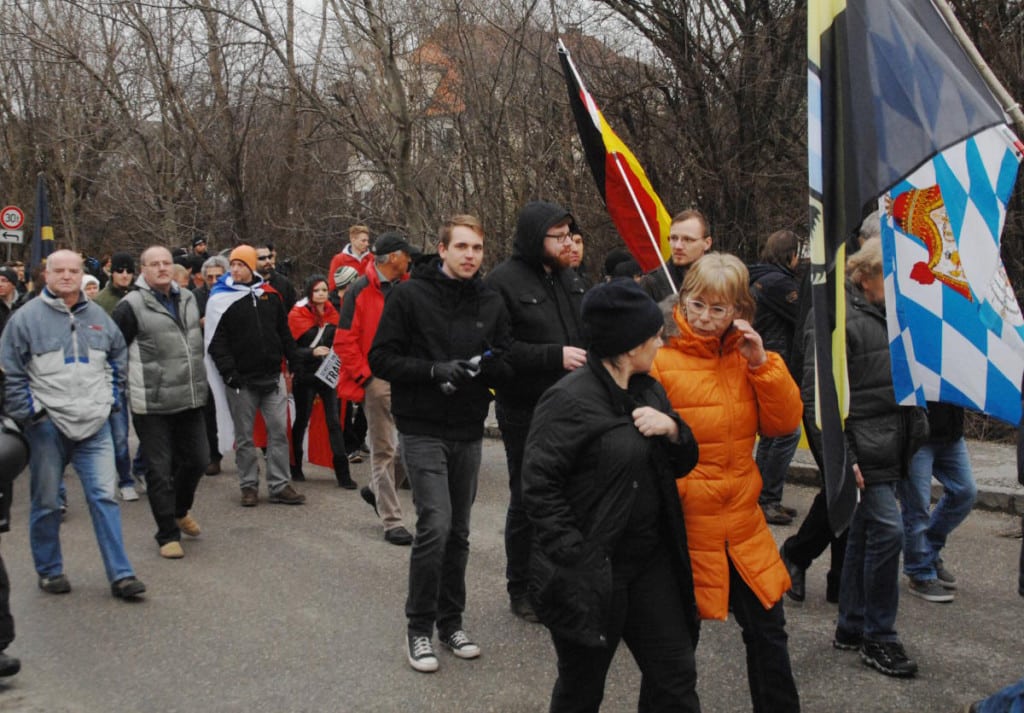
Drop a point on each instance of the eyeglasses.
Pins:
(123, 269)
(567, 237)
(716, 311)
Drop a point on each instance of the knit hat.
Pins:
(119, 261)
(246, 254)
(88, 279)
(344, 276)
(618, 316)
(10, 273)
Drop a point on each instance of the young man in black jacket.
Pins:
(442, 342)
(542, 294)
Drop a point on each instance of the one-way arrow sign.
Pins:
(12, 236)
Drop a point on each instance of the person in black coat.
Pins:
(542, 294)
(610, 559)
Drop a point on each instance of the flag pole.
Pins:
(655, 242)
(1011, 107)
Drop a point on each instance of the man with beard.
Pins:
(542, 294)
(688, 239)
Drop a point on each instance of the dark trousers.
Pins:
(1020, 578)
(815, 534)
(515, 426)
(769, 675)
(176, 449)
(210, 414)
(443, 475)
(647, 612)
(355, 426)
(304, 394)
(6, 620)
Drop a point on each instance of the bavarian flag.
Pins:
(42, 232)
(889, 88)
(634, 207)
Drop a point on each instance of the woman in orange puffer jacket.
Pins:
(722, 382)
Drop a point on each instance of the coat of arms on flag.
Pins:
(955, 328)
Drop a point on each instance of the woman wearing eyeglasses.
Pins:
(722, 382)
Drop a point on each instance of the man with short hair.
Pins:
(265, 265)
(247, 339)
(432, 326)
(355, 255)
(65, 364)
(167, 392)
(212, 270)
(688, 238)
(357, 325)
(542, 294)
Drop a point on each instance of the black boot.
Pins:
(342, 474)
(297, 473)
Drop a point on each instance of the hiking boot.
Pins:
(847, 640)
(797, 575)
(887, 657)
(775, 515)
(288, 496)
(189, 526)
(523, 609)
(57, 584)
(398, 536)
(370, 498)
(931, 590)
(945, 577)
(127, 588)
(213, 468)
(421, 654)
(461, 645)
(249, 498)
(8, 665)
(172, 550)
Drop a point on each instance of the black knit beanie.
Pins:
(122, 260)
(618, 316)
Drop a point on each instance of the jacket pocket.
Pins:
(573, 600)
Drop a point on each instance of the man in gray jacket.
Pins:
(64, 359)
(167, 393)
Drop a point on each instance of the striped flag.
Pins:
(889, 88)
(634, 207)
(42, 232)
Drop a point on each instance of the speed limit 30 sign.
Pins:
(11, 217)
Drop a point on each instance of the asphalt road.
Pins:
(277, 609)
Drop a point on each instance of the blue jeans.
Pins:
(93, 458)
(119, 431)
(1007, 700)
(443, 475)
(773, 458)
(515, 427)
(869, 592)
(924, 536)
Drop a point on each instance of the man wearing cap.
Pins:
(356, 254)
(357, 326)
(64, 360)
(247, 338)
(542, 294)
(167, 392)
(8, 294)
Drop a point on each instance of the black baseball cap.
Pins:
(388, 243)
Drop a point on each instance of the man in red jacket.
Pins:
(356, 254)
(357, 325)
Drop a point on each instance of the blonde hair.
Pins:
(866, 262)
(722, 275)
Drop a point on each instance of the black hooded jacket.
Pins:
(432, 318)
(543, 307)
(777, 293)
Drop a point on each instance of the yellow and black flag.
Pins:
(888, 88)
(42, 233)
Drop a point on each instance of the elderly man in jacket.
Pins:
(167, 393)
(65, 364)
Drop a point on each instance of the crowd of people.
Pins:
(629, 407)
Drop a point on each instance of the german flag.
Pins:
(634, 207)
(888, 88)
(42, 232)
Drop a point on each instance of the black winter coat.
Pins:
(776, 292)
(252, 338)
(432, 318)
(543, 308)
(580, 474)
(881, 436)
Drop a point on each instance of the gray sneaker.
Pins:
(930, 590)
(946, 578)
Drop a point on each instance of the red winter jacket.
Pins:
(347, 259)
(357, 325)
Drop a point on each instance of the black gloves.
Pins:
(455, 373)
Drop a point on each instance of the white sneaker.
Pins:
(140, 484)
(461, 645)
(421, 654)
(128, 493)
